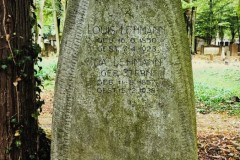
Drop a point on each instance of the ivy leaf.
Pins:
(35, 115)
(40, 59)
(13, 120)
(8, 150)
(40, 68)
(18, 143)
(4, 67)
(38, 89)
(17, 133)
(39, 26)
(15, 83)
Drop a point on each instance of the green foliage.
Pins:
(216, 16)
(214, 89)
(47, 73)
(48, 27)
(186, 5)
(215, 99)
(238, 8)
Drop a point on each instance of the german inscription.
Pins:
(128, 60)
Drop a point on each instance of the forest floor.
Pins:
(218, 132)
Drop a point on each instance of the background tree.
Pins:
(50, 21)
(41, 24)
(57, 10)
(190, 16)
(64, 4)
(238, 24)
(216, 18)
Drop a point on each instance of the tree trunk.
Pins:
(190, 17)
(239, 39)
(221, 35)
(188, 20)
(64, 4)
(103, 109)
(18, 129)
(41, 24)
(238, 28)
(210, 28)
(56, 25)
(193, 43)
(233, 32)
(35, 31)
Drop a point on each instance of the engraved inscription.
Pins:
(127, 58)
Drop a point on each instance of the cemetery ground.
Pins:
(217, 91)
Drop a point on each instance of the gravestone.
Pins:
(124, 88)
(233, 49)
(212, 50)
(223, 56)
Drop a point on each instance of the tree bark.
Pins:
(56, 26)
(210, 29)
(238, 30)
(193, 43)
(233, 32)
(190, 16)
(35, 31)
(18, 129)
(41, 24)
(64, 4)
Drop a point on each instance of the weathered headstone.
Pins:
(223, 56)
(233, 49)
(124, 88)
(212, 50)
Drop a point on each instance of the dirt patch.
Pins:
(214, 123)
(45, 119)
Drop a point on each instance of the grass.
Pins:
(214, 85)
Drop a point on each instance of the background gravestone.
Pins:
(124, 88)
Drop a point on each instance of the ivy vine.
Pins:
(19, 58)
